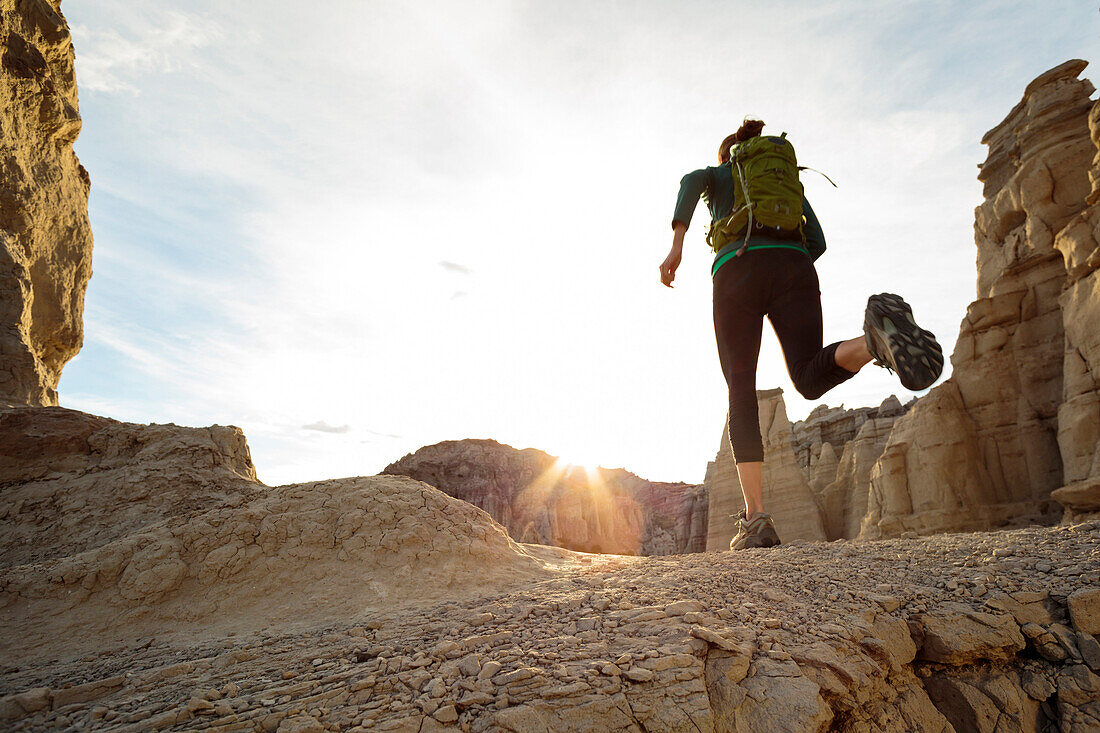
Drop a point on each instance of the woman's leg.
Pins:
(853, 354)
(739, 296)
(795, 313)
(752, 486)
(738, 323)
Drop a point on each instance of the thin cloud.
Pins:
(111, 62)
(455, 267)
(382, 435)
(323, 427)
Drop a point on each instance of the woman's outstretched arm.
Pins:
(692, 186)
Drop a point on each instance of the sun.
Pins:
(566, 462)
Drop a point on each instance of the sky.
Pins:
(356, 228)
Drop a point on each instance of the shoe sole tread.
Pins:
(912, 352)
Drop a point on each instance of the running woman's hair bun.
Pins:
(748, 129)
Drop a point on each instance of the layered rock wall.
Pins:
(540, 499)
(1018, 417)
(45, 237)
(71, 482)
(843, 500)
(1079, 413)
(836, 426)
(837, 449)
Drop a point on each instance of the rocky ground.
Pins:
(988, 632)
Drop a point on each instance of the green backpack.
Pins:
(767, 193)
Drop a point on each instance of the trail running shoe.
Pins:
(899, 344)
(760, 532)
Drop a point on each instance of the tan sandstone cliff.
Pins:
(842, 447)
(817, 470)
(1079, 413)
(540, 499)
(1018, 418)
(45, 238)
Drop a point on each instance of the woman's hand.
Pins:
(668, 267)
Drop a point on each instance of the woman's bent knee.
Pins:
(748, 454)
(810, 392)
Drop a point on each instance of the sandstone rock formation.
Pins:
(1079, 413)
(842, 493)
(787, 493)
(988, 447)
(45, 238)
(836, 426)
(542, 500)
(73, 482)
(112, 530)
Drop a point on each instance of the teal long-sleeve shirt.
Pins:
(715, 186)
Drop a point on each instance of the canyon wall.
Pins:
(1079, 413)
(817, 471)
(840, 470)
(46, 252)
(1018, 418)
(539, 499)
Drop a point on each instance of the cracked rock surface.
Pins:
(955, 632)
(381, 603)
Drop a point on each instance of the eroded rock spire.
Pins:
(46, 252)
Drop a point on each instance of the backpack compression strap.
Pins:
(815, 170)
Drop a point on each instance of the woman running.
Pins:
(770, 272)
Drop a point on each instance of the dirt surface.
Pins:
(884, 635)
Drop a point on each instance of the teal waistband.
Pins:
(728, 252)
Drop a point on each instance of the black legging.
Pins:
(782, 285)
